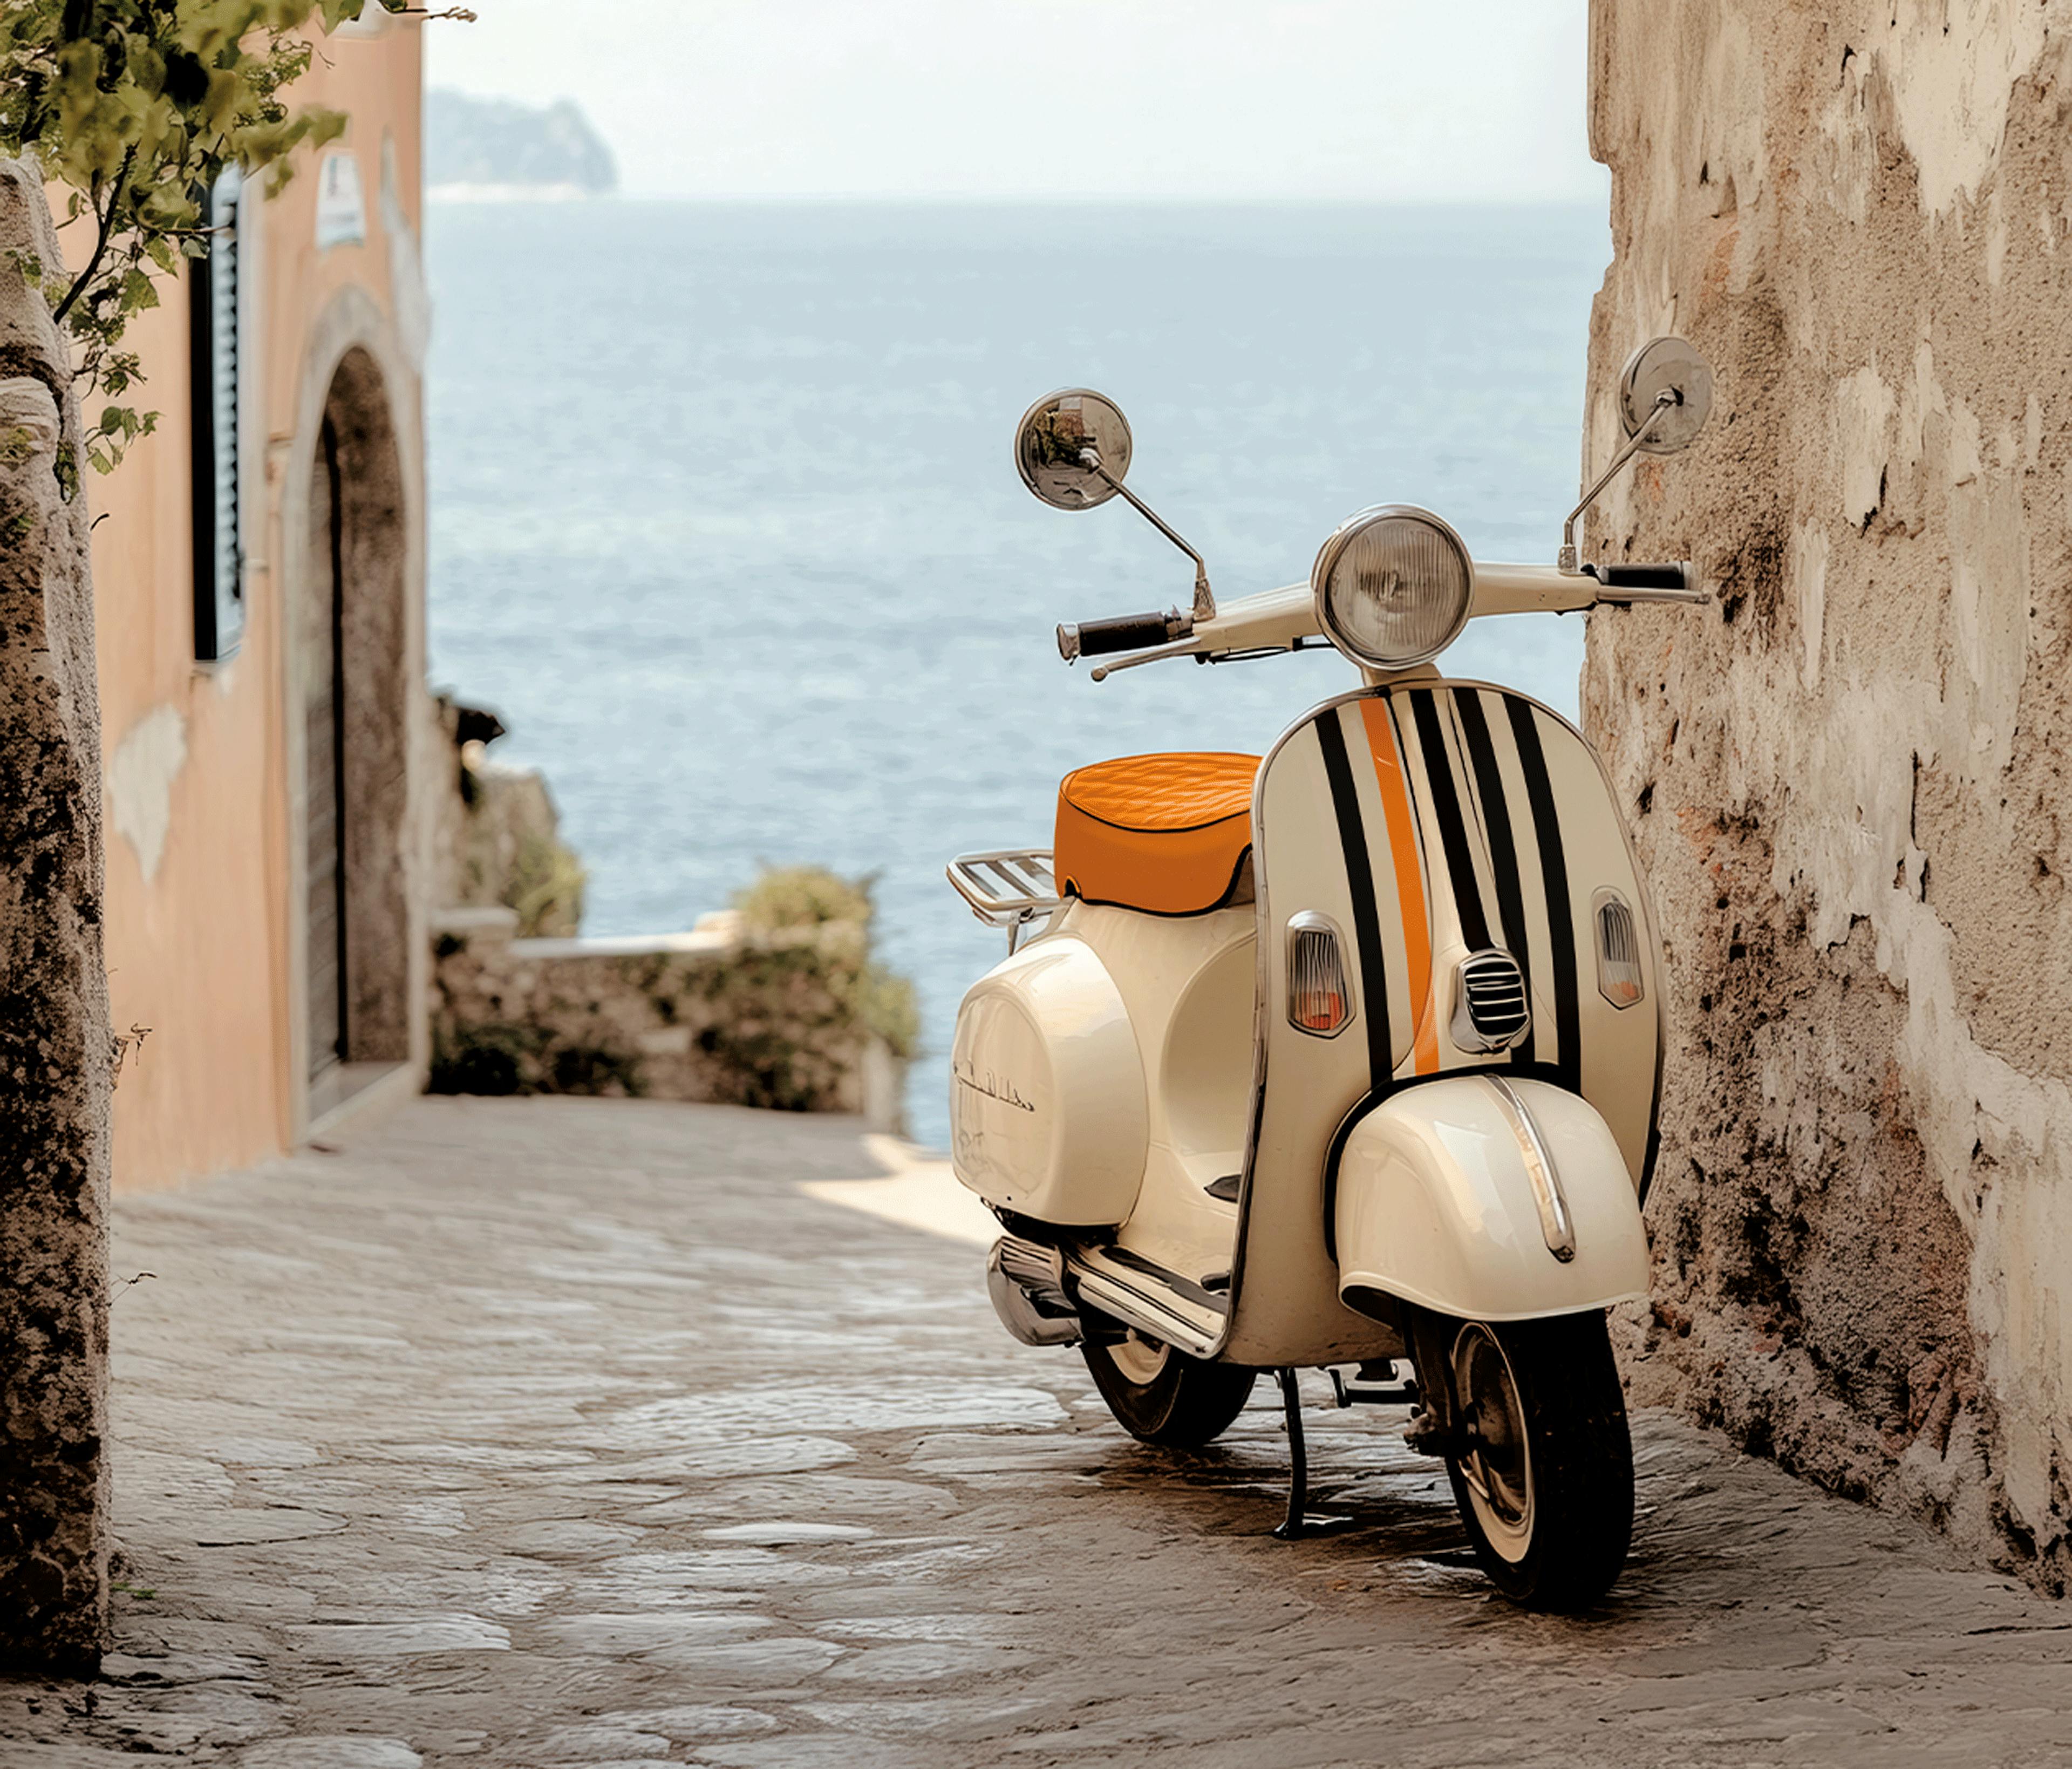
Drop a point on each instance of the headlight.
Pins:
(1392, 586)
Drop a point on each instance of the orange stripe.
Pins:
(1409, 878)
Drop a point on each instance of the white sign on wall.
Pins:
(341, 205)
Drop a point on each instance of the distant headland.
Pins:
(492, 149)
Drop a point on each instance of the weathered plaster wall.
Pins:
(205, 902)
(1849, 774)
(54, 1043)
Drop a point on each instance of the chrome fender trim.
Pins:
(1555, 1223)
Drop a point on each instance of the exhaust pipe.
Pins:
(1027, 1284)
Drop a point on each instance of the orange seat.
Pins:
(1165, 834)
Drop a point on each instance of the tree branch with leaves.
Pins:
(135, 108)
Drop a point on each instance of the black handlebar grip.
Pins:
(1126, 632)
(1672, 576)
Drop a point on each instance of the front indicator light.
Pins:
(1318, 1001)
(1619, 977)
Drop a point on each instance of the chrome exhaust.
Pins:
(1026, 1283)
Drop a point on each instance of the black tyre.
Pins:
(1161, 1395)
(1544, 1480)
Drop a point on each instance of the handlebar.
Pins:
(1275, 620)
(1124, 632)
(1666, 583)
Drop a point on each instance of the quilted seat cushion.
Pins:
(1166, 834)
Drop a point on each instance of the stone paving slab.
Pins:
(552, 1432)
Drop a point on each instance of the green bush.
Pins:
(492, 1059)
(786, 897)
(840, 911)
(886, 1007)
(545, 887)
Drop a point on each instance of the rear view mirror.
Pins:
(1669, 367)
(1063, 443)
(1665, 397)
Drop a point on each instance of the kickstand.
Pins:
(1301, 1520)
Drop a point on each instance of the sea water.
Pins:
(726, 526)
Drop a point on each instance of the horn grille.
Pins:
(1490, 1014)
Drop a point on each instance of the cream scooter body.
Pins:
(1376, 1163)
(1187, 1157)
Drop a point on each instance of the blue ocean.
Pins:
(724, 522)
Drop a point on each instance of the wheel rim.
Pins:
(1497, 1465)
(1139, 1358)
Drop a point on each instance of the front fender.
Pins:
(1439, 1204)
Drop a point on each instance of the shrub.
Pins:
(786, 899)
(545, 887)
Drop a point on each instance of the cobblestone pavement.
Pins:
(547, 1433)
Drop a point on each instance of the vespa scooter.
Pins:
(1346, 1057)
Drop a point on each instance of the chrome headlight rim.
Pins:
(1334, 549)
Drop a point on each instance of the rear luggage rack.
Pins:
(1008, 889)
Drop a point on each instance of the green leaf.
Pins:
(133, 107)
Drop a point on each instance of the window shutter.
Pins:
(219, 549)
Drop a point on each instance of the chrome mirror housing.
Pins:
(1665, 397)
(1668, 381)
(1072, 449)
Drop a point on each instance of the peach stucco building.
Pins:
(265, 859)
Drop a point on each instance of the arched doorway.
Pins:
(355, 729)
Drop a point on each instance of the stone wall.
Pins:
(496, 838)
(780, 1006)
(1848, 776)
(725, 1013)
(55, 1046)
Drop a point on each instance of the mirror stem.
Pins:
(1565, 562)
(1205, 601)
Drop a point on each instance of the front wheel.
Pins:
(1543, 1471)
(1163, 1396)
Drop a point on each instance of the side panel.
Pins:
(1047, 1112)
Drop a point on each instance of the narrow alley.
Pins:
(538, 1432)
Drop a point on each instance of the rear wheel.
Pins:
(1543, 1477)
(1163, 1396)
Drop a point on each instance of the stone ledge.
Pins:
(718, 932)
(721, 1014)
(487, 923)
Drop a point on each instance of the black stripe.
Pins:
(1453, 827)
(1359, 878)
(1554, 872)
(1334, 1156)
(1503, 847)
(1070, 888)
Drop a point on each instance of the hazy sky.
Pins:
(1398, 99)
